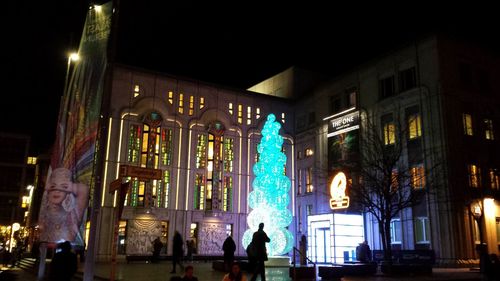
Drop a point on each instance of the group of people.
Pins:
(256, 251)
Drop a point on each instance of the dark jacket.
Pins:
(229, 247)
(63, 266)
(177, 247)
(259, 240)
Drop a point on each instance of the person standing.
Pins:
(177, 251)
(157, 245)
(64, 263)
(228, 247)
(259, 240)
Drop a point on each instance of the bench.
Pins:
(407, 261)
(330, 272)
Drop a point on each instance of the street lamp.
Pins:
(71, 57)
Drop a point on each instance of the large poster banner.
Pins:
(65, 200)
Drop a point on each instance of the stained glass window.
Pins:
(199, 192)
(134, 144)
(166, 147)
(227, 196)
(228, 155)
(201, 152)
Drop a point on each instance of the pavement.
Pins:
(204, 272)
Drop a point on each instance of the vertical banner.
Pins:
(70, 180)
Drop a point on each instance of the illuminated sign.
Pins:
(337, 190)
(343, 124)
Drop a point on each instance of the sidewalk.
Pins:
(204, 272)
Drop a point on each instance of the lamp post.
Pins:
(476, 209)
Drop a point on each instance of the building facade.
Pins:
(442, 94)
(203, 138)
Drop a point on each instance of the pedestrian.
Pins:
(190, 249)
(64, 263)
(228, 247)
(177, 251)
(259, 240)
(363, 252)
(188, 274)
(235, 274)
(303, 250)
(157, 245)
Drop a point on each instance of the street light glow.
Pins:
(97, 8)
(74, 56)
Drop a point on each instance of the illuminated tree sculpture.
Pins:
(269, 199)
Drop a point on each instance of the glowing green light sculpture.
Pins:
(269, 199)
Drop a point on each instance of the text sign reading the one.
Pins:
(343, 124)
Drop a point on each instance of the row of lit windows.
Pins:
(487, 126)
(474, 176)
(414, 128)
(230, 109)
(180, 107)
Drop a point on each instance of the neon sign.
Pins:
(337, 190)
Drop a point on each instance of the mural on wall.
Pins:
(141, 234)
(211, 238)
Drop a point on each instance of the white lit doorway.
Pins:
(333, 237)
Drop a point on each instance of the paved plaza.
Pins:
(204, 272)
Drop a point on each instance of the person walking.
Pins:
(228, 247)
(177, 252)
(259, 240)
(64, 263)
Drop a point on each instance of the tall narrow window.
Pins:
(386, 87)
(407, 79)
(494, 179)
(134, 143)
(227, 194)
(170, 97)
(201, 151)
(166, 147)
(257, 113)
(137, 91)
(417, 176)
(230, 108)
(467, 120)
(191, 106)
(249, 115)
(309, 184)
(389, 133)
(488, 129)
(422, 230)
(181, 104)
(414, 126)
(166, 189)
(299, 181)
(228, 155)
(283, 118)
(199, 192)
(240, 113)
(395, 231)
(394, 180)
(202, 102)
(474, 174)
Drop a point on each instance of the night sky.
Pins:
(231, 43)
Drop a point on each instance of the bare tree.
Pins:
(386, 183)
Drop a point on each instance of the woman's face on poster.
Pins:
(58, 189)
